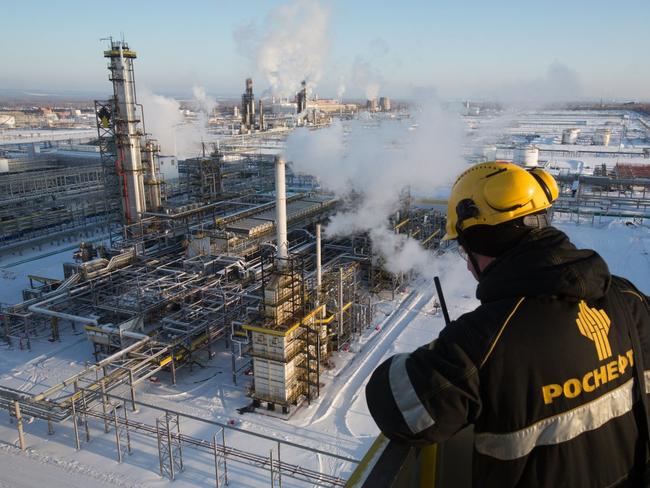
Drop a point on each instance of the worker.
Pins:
(548, 369)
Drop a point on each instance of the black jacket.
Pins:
(543, 368)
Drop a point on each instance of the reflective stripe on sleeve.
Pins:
(415, 415)
(559, 428)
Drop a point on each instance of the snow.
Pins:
(337, 422)
(47, 471)
(622, 243)
(46, 364)
(40, 259)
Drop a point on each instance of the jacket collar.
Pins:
(545, 263)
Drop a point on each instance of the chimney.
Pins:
(319, 274)
(281, 211)
(261, 116)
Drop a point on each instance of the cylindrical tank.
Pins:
(602, 137)
(570, 136)
(526, 156)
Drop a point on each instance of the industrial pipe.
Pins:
(281, 211)
(38, 308)
(104, 362)
(319, 277)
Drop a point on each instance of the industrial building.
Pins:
(52, 193)
(229, 256)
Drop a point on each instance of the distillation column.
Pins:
(152, 180)
(129, 162)
(248, 107)
(301, 98)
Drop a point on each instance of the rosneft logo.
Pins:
(594, 324)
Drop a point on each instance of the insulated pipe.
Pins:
(319, 270)
(38, 308)
(281, 211)
(319, 277)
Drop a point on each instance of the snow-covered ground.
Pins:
(623, 244)
(45, 259)
(337, 422)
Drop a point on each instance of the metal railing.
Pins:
(390, 464)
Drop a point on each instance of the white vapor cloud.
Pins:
(559, 84)
(375, 162)
(165, 121)
(289, 47)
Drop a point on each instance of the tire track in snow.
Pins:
(357, 372)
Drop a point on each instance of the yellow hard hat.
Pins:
(497, 192)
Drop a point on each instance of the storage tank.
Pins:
(602, 137)
(526, 156)
(570, 136)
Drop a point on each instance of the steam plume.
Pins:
(290, 46)
(167, 124)
(377, 162)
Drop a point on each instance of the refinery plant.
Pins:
(215, 272)
(227, 256)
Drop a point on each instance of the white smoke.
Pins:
(558, 84)
(367, 77)
(165, 121)
(340, 90)
(365, 72)
(203, 103)
(289, 47)
(162, 117)
(375, 162)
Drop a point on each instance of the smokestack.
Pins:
(261, 115)
(302, 98)
(319, 271)
(248, 106)
(319, 274)
(281, 211)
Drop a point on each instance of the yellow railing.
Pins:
(444, 465)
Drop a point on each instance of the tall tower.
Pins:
(248, 106)
(261, 110)
(301, 98)
(127, 134)
(152, 182)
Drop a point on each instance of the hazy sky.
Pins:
(462, 48)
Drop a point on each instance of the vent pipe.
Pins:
(319, 272)
(281, 211)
